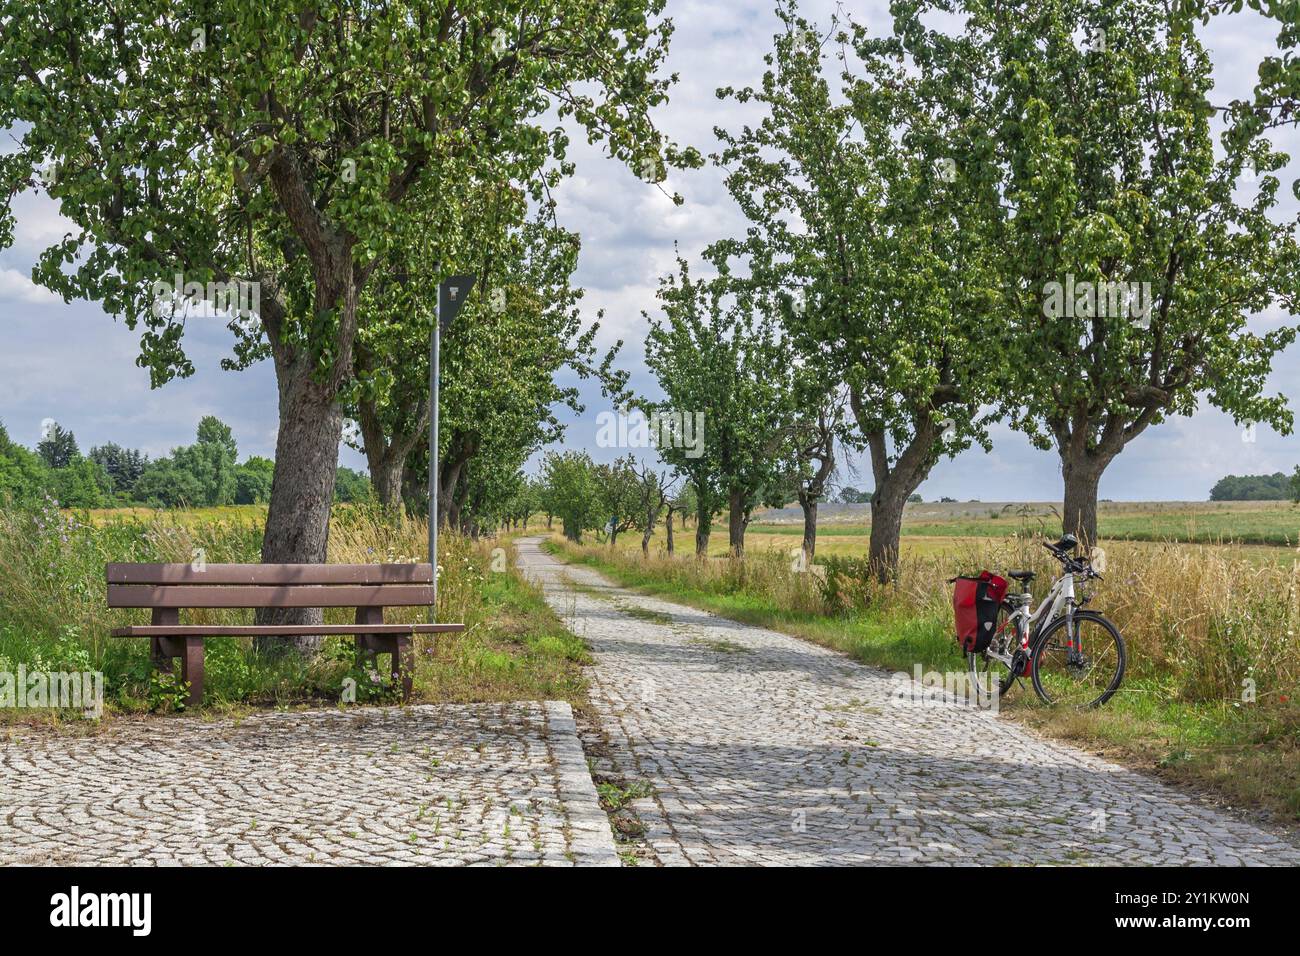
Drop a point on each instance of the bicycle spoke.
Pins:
(1079, 669)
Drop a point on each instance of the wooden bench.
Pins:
(167, 589)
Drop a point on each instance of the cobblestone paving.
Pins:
(764, 749)
(446, 784)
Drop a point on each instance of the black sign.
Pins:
(451, 295)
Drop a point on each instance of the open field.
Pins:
(1259, 532)
(1243, 522)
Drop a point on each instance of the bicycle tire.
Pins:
(1040, 644)
(973, 660)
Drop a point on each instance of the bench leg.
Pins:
(404, 663)
(192, 669)
(160, 653)
(190, 651)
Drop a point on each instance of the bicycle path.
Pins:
(763, 749)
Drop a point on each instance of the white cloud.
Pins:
(15, 286)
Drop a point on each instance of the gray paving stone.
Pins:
(324, 787)
(765, 749)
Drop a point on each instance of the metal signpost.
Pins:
(452, 293)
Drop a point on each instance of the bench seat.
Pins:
(271, 630)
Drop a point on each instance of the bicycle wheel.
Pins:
(1078, 660)
(986, 668)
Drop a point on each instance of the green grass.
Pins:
(1249, 755)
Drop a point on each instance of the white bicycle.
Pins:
(1074, 657)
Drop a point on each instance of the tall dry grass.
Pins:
(1201, 624)
(53, 615)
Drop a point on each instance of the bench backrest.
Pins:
(269, 585)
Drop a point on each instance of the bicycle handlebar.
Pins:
(1073, 564)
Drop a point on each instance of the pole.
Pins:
(434, 341)
(450, 297)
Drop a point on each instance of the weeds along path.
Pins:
(759, 748)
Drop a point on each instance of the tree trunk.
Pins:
(302, 489)
(386, 476)
(886, 529)
(809, 505)
(1082, 474)
(894, 485)
(669, 525)
(736, 521)
(703, 525)
(448, 507)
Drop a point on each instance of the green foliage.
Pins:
(198, 475)
(1116, 180)
(166, 485)
(253, 481)
(58, 449)
(351, 486)
(81, 484)
(725, 359)
(167, 692)
(213, 431)
(571, 491)
(882, 263)
(1274, 487)
(24, 479)
(124, 466)
(619, 489)
(316, 146)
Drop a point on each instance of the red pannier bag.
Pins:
(975, 603)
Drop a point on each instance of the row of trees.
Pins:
(1274, 487)
(952, 227)
(203, 474)
(621, 496)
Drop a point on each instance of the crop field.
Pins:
(1262, 532)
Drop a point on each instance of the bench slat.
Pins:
(270, 630)
(270, 574)
(369, 595)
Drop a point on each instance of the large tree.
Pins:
(865, 218)
(277, 143)
(720, 358)
(1135, 256)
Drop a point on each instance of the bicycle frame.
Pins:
(1059, 600)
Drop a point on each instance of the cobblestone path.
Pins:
(765, 749)
(445, 784)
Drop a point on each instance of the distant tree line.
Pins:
(1275, 487)
(204, 474)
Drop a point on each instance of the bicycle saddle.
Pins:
(1021, 575)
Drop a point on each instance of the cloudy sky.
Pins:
(76, 365)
